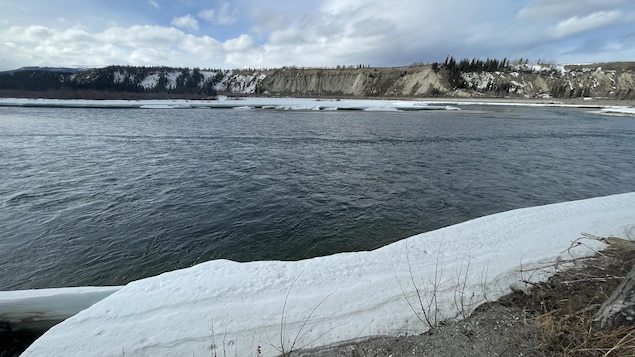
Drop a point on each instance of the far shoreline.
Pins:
(479, 100)
(620, 108)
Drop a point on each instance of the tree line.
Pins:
(455, 68)
(129, 79)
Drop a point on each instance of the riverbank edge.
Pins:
(553, 318)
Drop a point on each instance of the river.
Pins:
(107, 196)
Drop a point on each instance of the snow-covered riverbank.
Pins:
(267, 306)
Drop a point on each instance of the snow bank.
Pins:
(242, 308)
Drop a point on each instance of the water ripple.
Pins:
(95, 197)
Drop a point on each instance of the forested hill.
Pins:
(111, 82)
(465, 78)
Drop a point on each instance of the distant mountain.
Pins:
(465, 78)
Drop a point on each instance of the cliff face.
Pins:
(363, 82)
(613, 81)
(606, 80)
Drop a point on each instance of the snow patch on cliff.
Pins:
(240, 83)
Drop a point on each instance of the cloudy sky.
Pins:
(272, 33)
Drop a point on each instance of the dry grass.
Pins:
(563, 308)
(576, 336)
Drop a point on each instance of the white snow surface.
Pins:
(478, 80)
(235, 308)
(150, 81)
(240, 83)
(619, 110)
(296, 104)
(171, 79)
(119, 77)
(225, 102)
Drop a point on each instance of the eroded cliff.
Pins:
(361, 82)
(610, 81)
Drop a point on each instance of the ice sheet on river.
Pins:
(242, 308)
(619, 110)
(232, 103)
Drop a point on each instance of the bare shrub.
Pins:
(466, 301)
(425, 303)
(289, 343)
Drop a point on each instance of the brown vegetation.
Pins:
(563, 308)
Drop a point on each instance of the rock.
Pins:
(619, 309)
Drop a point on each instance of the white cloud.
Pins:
(575, 25)
(567, 8)
(240, 44)
(140, 36)
(154, 4)
(135, 45)
(38, 33)
(185, 22)
(203, 47)
(224, 15)
(288, 36)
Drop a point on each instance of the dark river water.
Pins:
(106, 196)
